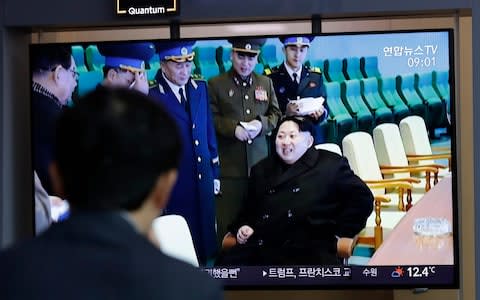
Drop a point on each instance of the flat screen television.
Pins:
(369, 79)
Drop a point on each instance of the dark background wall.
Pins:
(94, 12)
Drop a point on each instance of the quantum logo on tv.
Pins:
(146, 11)
(146, 7)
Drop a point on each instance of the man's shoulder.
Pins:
(262, 79)
(314, 71)
(334, 160)
(148, 272)
(220, 78)
(198, 82)
(274, 71)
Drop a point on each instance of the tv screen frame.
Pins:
(260, 277)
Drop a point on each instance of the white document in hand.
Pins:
(248, 126)
(308, 105)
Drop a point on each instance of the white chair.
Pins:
(332, 147)
(174, 238)
(417, 144)
(359, 150)
(391, 154)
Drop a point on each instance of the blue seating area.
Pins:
(94, 60)
(205, 62)
(222, 55)
(87, 81)
(78, 54)
(351, 68)
(268, 56)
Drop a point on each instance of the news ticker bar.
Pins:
(332, 275)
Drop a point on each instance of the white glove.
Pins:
(216, 186)
(241, 134)
(258, 127)
(140, 83)
(244, 233)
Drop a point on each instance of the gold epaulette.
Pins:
(267, 71)
(197, 77)
(315, 70)
(152, 83)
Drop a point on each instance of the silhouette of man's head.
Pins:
(111, 148)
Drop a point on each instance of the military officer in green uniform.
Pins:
(245, 111)
(292, 80)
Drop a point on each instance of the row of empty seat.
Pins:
(361, 104)
(398, 155)
(397, 163)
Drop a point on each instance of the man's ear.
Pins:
(163, 187)
(310, 140)
(57, 180)
(56, 73)
(111, 74)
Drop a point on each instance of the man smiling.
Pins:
(300, 201)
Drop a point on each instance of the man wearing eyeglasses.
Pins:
(125, 65)
(187, 101)
(54, 78)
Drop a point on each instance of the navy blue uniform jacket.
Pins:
(310, 85)
(192, 197)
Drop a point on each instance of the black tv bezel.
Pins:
(454, 167)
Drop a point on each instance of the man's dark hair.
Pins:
(47, 57)
(111, 147)
(304, 123)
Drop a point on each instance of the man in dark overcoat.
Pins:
(300, 202)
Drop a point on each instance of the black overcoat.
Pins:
(298, 212)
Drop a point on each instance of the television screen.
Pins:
(329, 159)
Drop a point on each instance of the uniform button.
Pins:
(199, 159)
(265, 216)
(249, 142)
(271, 191)
(248, 111)
(296, 190)
(193, 126)
(246, 97)
(260, 242)
(197, 142)
(289, 214)
(199, 176)
(244, 84)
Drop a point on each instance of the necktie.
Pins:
(183, 100)
(294, 81)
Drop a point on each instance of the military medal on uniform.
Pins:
(260, 94)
